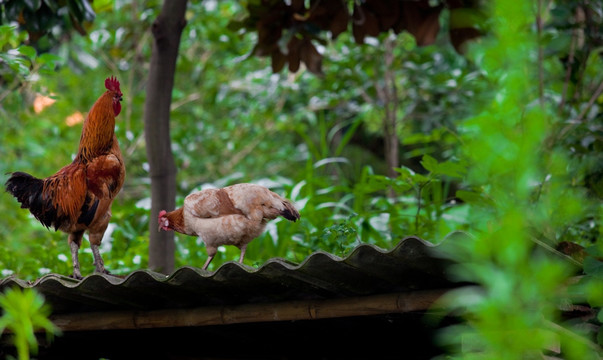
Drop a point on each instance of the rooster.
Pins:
(78, 197)
(234, 215)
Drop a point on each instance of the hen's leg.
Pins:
(243, 248)
(75, 240)
(211, 252)
(209, 258)
(99, 264)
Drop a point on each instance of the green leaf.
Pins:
(7, 29)
(49, 60)
(470, 197)
(28, 51)
(447, 168)
(420, 179)
(102, 5)
(429, 163)
(451, 169)
(375, 183)
(593, 267)
(405, 173)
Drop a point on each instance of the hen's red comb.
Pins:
(112, 84)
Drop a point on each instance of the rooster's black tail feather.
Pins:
(28, 191)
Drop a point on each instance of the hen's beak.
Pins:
(159, 227)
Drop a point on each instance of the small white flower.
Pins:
(7, 272)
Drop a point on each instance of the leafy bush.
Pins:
(503, 143)
(24, 312)
(515, 310)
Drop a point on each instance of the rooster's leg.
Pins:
(75, 239)
(98, 260)
(99, 264)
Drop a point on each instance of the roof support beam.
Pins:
(250, 313)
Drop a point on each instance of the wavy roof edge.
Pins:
(409, 241)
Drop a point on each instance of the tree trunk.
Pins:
(166, 30)
(390, 99)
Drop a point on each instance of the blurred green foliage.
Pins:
(233, 121)
(24, 312)
(503, 143)
(44, 23)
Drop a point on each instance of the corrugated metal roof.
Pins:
(367, 270)
(369, 304)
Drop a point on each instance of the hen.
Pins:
(234, 215)
(78, 197)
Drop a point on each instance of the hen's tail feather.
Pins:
(28, 191)
(290, 212)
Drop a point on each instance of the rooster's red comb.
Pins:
(112, 84)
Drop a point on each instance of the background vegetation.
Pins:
(503, 143)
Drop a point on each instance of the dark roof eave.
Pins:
(251, 313)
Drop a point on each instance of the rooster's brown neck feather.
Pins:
(98, 129)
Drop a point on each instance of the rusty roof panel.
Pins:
(367, 270)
